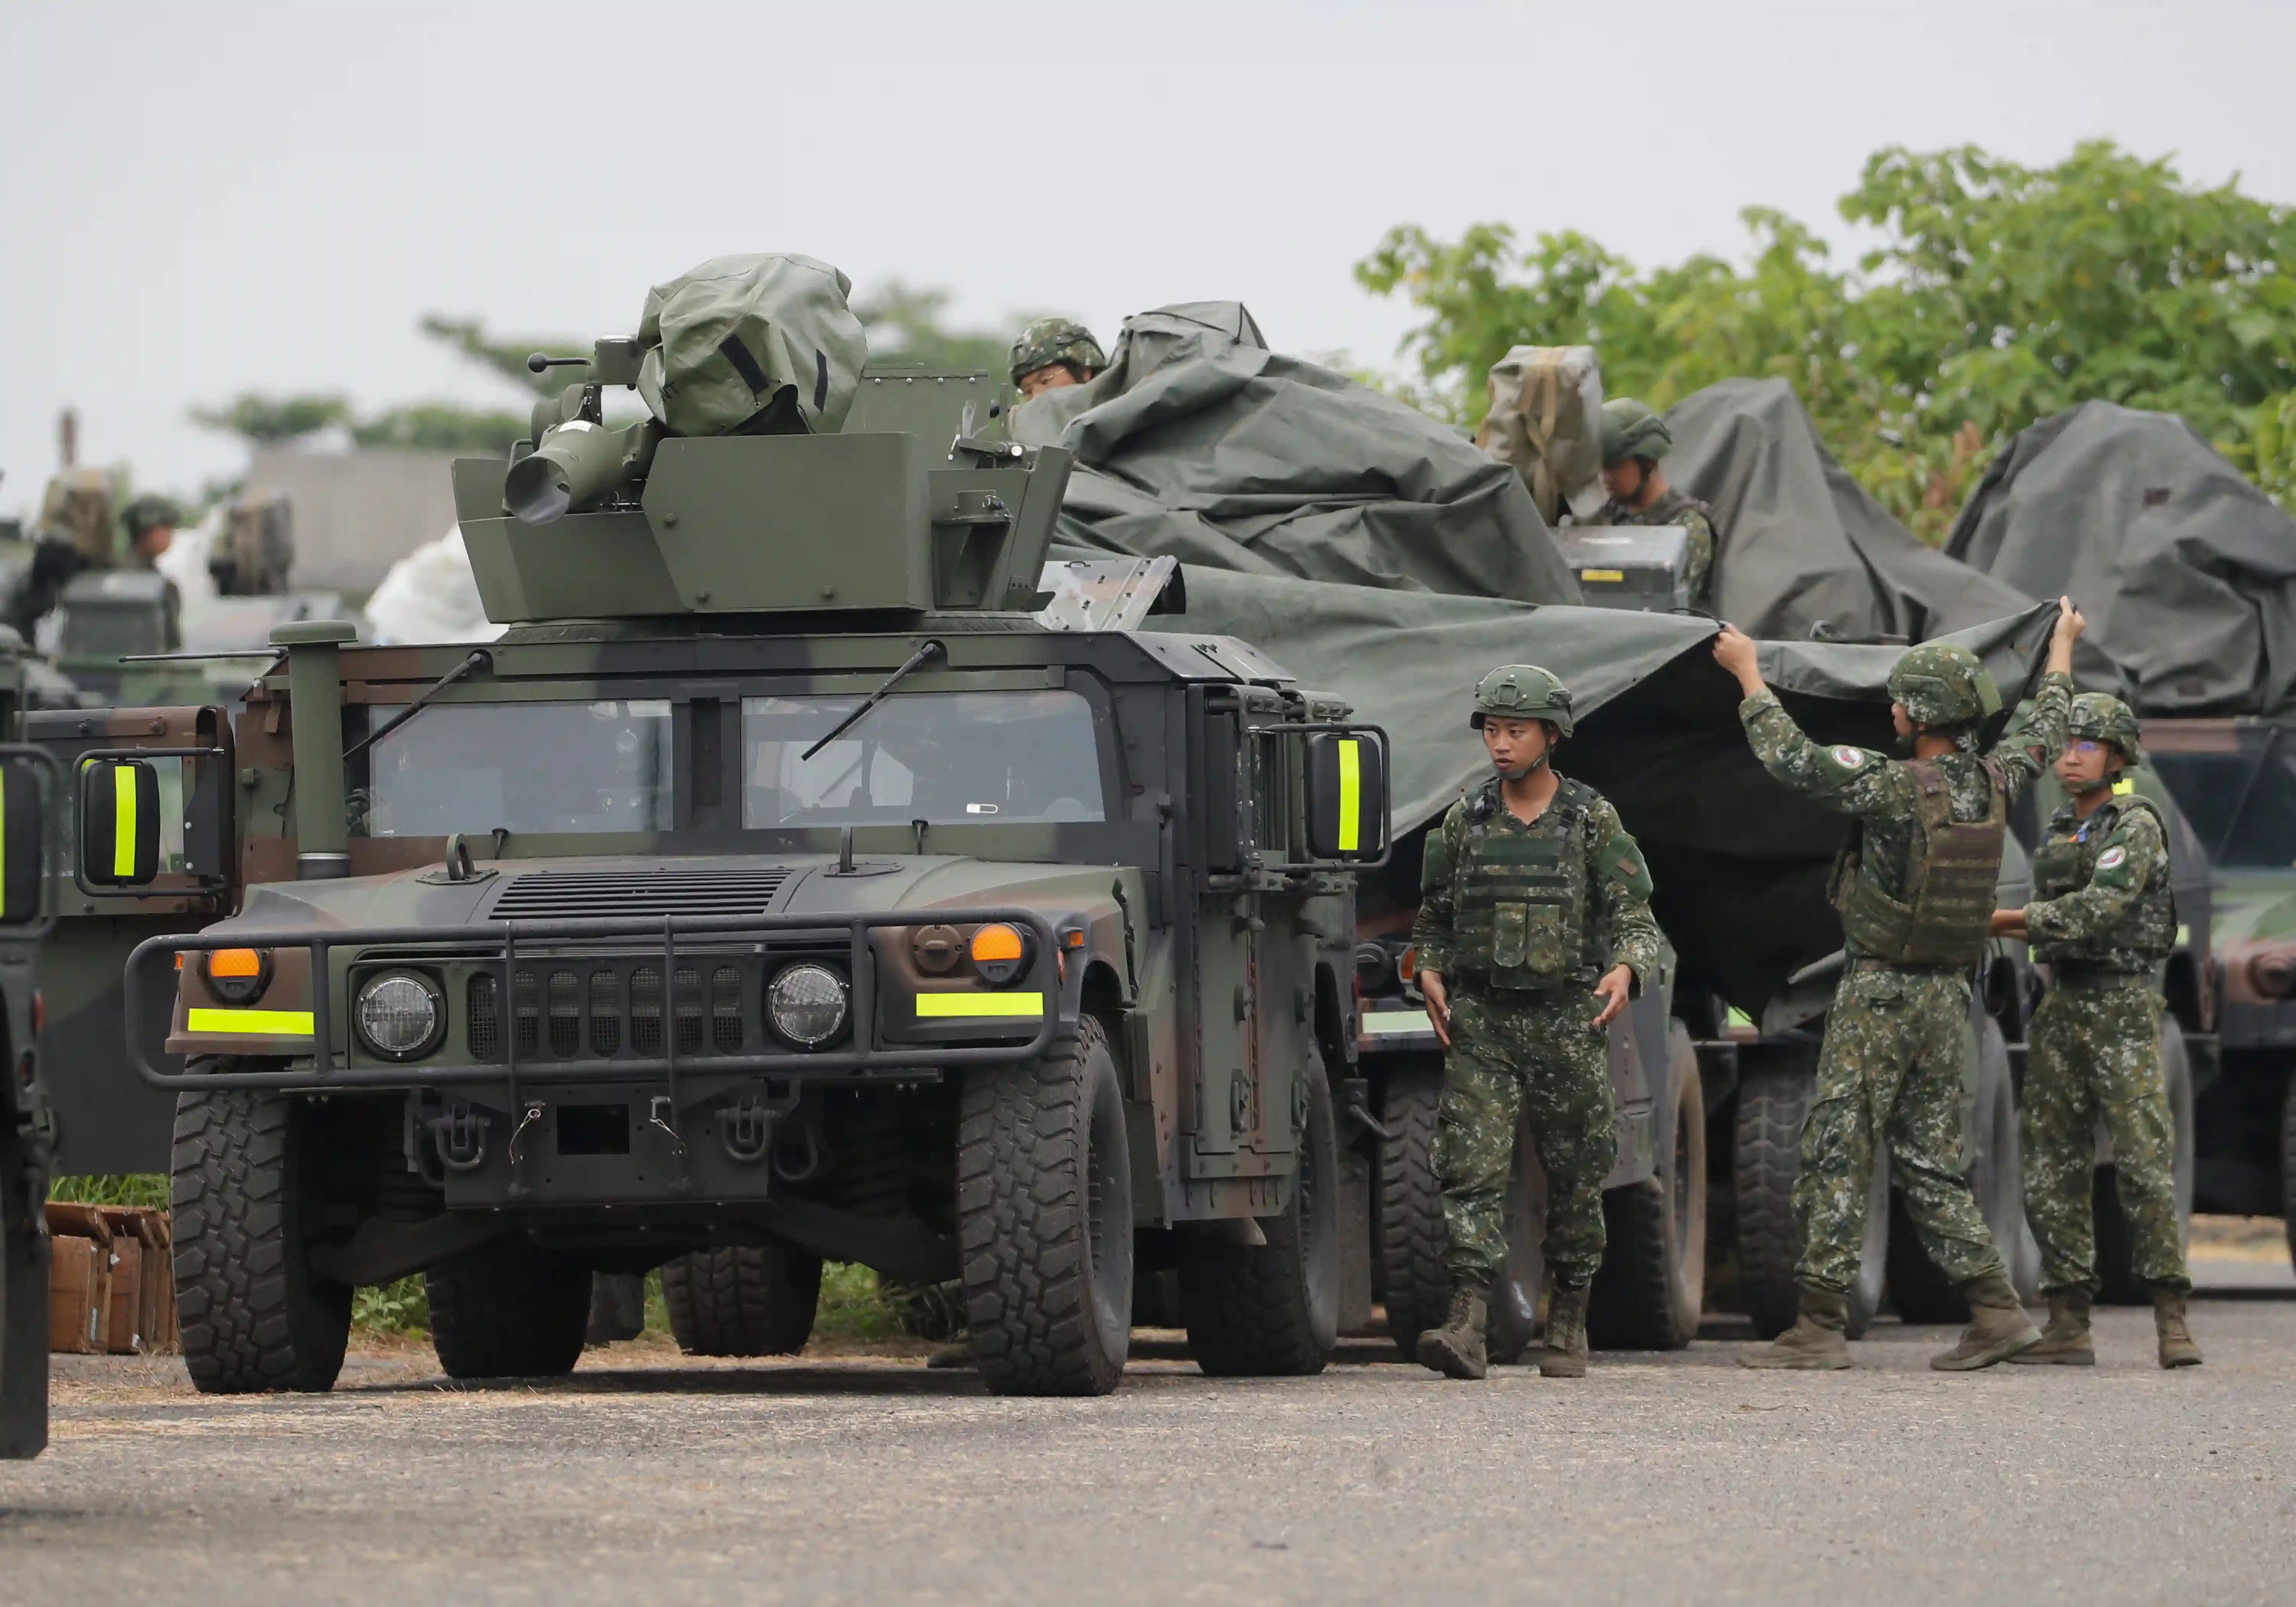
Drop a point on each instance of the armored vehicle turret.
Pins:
(779, 888)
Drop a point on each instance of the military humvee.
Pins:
(779, 888)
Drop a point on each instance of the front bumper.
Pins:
(924, 1031)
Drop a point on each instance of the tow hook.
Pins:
(1358, 1093)
(532, 1119)
(663, 1115)
(745, 1130)
(460, 1137)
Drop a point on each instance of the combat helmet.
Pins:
(1631, 430)
(1942, 685)
(1050, 341)
(149, 512)
(2101, 718)
(1522, 691)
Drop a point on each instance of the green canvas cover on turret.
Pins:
(752, 344)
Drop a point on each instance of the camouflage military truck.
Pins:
(778, 889)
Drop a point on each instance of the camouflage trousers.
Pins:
(1547, 1066)
(2095, 1056)
(1891, 1073)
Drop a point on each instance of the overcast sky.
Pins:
(198, 199)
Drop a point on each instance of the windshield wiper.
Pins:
(916, 661)
(478, 661)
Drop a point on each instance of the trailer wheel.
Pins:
(741, 1299)
(1273, 1310)
(508, 1309)
(1919, 1291)
(2116, 1248)
(1043, 1209)
(1773, 1103)
(242, 1209)
(1652, 1288)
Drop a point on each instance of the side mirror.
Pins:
(118, 823)
(22, 842)
(1346, 796)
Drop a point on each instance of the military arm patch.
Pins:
(1848, 758)
(1621, 861)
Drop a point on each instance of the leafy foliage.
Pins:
(270, 421)
(506, 356)
(1999, 294)
(910, 325)
(400, 1310)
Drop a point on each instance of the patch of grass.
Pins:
(129, 1188)
(400, 1310)
(853, 1308)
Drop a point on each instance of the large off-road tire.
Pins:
(741, 1299)
(2116, 1249)
(1044, 1220)
(1273, 1309)
(1408, 1218)
(1407, 1221)
(1773, 1103)
(508, 1309)
(243, 1202)
(1651, 1287)
(1920, 1292)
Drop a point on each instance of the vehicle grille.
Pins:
(598, 1009)
(544, 895)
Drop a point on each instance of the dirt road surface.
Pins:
(1659, 1478)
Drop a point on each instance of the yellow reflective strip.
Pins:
(1614, 575)
(1350, 794)
(123, 822)
(282, 1023)
(963, 1005)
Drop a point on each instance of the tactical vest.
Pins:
(1950, 882)
(2067, 861)
(1662, 511)
(1519, 899)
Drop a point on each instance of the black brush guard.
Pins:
(861, 1057)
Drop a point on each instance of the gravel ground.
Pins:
(1659, 1478)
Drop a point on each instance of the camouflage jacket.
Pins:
(1675, 508)
(1882, 792)
(1481, 885)
(2100, 889)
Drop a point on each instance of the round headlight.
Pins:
(399, 1015)
(807, 1004)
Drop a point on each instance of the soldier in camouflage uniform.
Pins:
(1914, 887)
(1534, 929)
(2103, 920)
(1633, 439)
(1053, 352)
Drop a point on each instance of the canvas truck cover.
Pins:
(1200, 443)
(2186, 571)
(741, 339)
(1801, 544)
(1741, 863)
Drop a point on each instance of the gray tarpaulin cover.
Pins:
(1200, 443)
(2187, 571)
(1801, 541)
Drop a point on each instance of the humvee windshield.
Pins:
(981, 757)
(525, 767)
(2236, 783)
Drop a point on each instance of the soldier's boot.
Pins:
(1817, 1342)
(1565, 1355)
(1455, 1349)
(2065, 1342)
(1998, 1327)
(2177, 1346)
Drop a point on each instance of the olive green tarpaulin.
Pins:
(1200, 443)
(754, 341)
(2187, 571)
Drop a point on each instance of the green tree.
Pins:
(268, 420)
(506, 356)
(910, 325)
(1999, 294)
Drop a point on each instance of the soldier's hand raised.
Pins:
(1734, 651)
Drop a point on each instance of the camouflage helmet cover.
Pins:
(148, 512)
(1050, 341)
(1522, 691)
(2104, 718)
(1631, 430)
(1942, 685)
